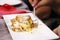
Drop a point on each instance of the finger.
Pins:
(40, 4)
(57, 30)
(43, 3)
(35, 2)
(31, 2)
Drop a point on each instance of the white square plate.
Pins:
(42, 32)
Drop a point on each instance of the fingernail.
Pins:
(33, 5)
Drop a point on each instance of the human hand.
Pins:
(38, 3)
(42, 7)
(57, 30)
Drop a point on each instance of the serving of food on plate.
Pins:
(22, 23)
(27, 26)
